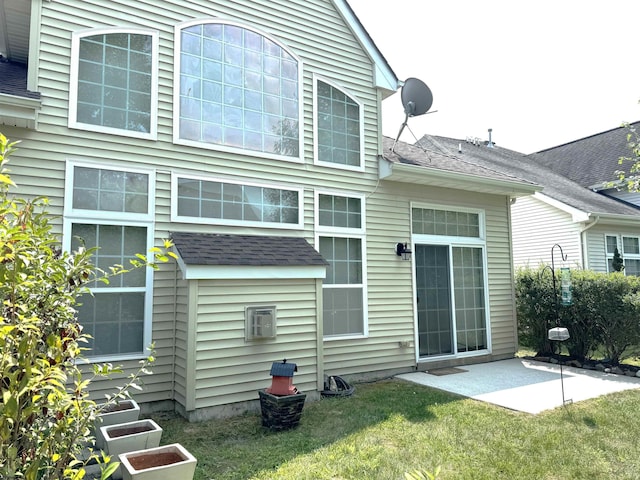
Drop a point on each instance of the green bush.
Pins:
(604, 314)
(45, 409)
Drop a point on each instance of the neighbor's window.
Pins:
(631, 255)
(339, 127)
(110, 210)
(113, 82)
(341, 243)
(237, 88)
(227, 202)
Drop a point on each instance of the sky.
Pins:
(538, 73)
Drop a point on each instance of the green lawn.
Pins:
(390, 427)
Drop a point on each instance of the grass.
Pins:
(391, 427)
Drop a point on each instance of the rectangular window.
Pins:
(114, 82)
(111, 210)
(212, 201)
(431, 221)
(341, 241)
(631, 255)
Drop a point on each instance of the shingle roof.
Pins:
(13, 80)
(425, 153)
(509, 162)
(589, 161)
(244, 250)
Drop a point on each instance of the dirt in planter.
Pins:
(121, 432)
(140, 462)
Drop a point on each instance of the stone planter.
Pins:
(129, 437)
(281, 412)
(122, 412)
(169, 462)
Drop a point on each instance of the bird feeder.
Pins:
(282, 378)
(558, 334)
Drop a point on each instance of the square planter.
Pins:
(129, 437)
(122, 412)
(169, 462)
(281, 412)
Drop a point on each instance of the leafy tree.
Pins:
(630, 179)
(45, 410)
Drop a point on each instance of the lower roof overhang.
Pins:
(19, 111)
(421, 175)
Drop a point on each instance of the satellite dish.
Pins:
(416, 97)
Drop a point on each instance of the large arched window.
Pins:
(236, 89)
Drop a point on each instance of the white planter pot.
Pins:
(169, 462)
(129, 437)
(124, 411)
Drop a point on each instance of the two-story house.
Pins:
(249, 133)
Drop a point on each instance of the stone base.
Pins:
(281, 412)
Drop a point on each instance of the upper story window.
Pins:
(236, 89)
(209, 201)
(339, 128)
(114, 82)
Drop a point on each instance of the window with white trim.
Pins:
(339, 127)
(113, 81)
(451, 282)
(111, 209)
(236, 88)
(198, 200)
(631, 255)
(341, 241)
(629, 250)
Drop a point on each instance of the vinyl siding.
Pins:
(198, 326)
(537, 227)
(228, 368)
(595, 243)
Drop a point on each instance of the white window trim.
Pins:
(69, 211)
(73, 83)
(359, 233)
(628, 256)
(316, 159)
(72, 216)
(452, 242)
(177, 40)
(609, 256)
(236, 223)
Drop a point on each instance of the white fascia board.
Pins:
(577, 215)
(385, 78)
(239, 272)
(417, 174)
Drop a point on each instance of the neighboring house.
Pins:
(249, 133)
(587, 224)
(592, 162)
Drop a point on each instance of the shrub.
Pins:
(45, 409)
(604, 313)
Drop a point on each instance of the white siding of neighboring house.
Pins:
(537, 227)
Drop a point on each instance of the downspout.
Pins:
(583, 242)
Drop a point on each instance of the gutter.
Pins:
(583, 241)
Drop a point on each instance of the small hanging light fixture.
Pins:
(403, 251)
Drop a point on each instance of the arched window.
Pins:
(237, 89)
